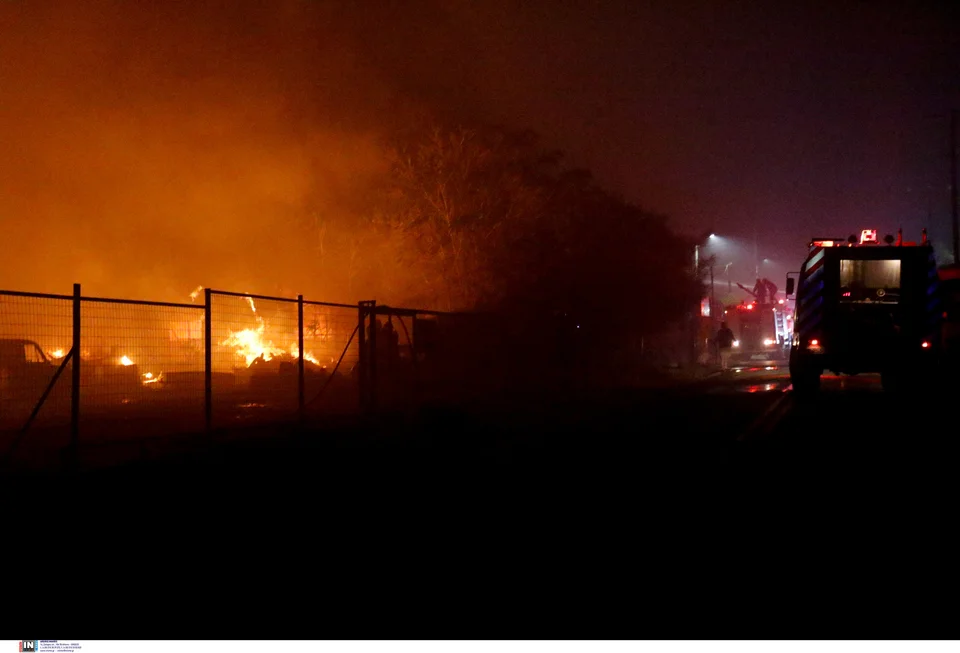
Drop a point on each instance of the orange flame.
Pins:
(295, 352)
(250, 344)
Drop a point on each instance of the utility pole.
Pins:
(756, 250)
(953, 185)
(713, 294)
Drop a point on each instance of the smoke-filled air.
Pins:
(279, 148)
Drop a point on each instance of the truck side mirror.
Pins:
(790, 281)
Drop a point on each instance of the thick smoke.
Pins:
(151, 147)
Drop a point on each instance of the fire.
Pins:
(250, 344)
(295, 352)
(59, 353)
(125, 361)
(149, 378)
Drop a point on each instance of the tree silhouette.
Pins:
(484, 218)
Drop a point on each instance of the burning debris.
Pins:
(251, 344)
(58, 354)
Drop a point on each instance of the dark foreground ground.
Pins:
(729, 509)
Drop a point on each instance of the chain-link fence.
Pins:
(160, 369)
(420, 357)
(36, 335)
(254, 357)
(330, 343)
(135, 369)
(257, 374)
(150, 368)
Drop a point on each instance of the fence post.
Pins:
(368, 355)
(414, 361)
(207, 362)
(362, 356)
(300, 380)
(75, 379)
(372, 358)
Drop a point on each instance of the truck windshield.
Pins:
(869, 281)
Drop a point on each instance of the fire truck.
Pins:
(761, 331)
(950, 294)
(866, 307)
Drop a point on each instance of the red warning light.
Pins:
(749, 307)
(924, 344)
(814, 342)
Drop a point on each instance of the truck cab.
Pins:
(25, 372)
(759, 329)
(865, 307)
(23, 367)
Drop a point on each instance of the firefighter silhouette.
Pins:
(387, 349)
(390, 340)
(724, 341)
(760, 291)
(771, 290)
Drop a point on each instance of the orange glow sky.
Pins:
(151, 147)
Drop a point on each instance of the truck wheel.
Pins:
(804, 377)
(805, 381)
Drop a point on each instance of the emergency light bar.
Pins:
(827, 242)
(867, 237)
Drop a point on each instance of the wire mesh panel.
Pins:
(141, 369)
(331, 342)
(36, 333)
(460, 357)
(254, 358)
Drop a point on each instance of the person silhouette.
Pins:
(760, 291)
(724, 341)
